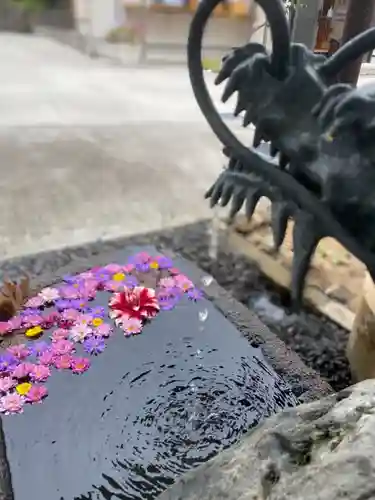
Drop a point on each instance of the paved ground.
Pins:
(91, 150)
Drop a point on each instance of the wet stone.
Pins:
(150, 408)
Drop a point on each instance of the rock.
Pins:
(322, 450)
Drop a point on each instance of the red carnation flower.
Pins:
(139, 303)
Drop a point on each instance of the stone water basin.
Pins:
(150, 408)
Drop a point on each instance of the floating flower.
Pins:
(34, 332)
(104, 330)
(131, 282)
(19, 351)
(128, 268)
(119, 276)
(50, 319)
(154, 264)
(40, 373)
(23, 388)
(7, 383)
(29, 311)
(94, 345)
(131, 326)
(195, 294)
(11, 403)
(70, 314)
(70, 292)
(79, 332)
(164, 262)
(38, 348)
(183, 282)
(15, 323)
(61, 347)
(141, 261)
(8, 362)
(47, 358)
(49, 295)
(4, 328)
(63, 362)
(102, 275)
(139, 303)
(174, 271)
(86, 275)
(63, 304)
(36, 394)
(34, 302)
(168, 298)
(112, 286)
(23, 370)
(59, 334)
(113, 268)
(88, 289)
(167, 282)
(96, 311)
(97, 322)
(80, 365)
(31, 320)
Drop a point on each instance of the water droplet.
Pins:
(203, 315)
(207, 280)
(193, 387)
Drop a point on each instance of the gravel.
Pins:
(319, 342)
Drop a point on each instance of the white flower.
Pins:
(79, 332)
(49, 294)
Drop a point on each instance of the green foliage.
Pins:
(33, 5)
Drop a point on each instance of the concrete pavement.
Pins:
(89, 150)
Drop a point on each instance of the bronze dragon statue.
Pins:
(321, 135)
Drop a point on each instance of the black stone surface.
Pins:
(150, 408)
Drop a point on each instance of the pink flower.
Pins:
(80, 365)
(34, 302)
(49, 295)
(79, 332)
(19, 351)
(40, 373)
(23, 370)
(59, 334)
(84, 319)
(70, 292)
(87, 275)
(174, 271)
(128, 268)
(113, 268)
(70, 314)
(7, 383)
(50, 319)
(63, 362)
(138, 302)
(36, 394)
(11, 403)
(47, 358)
(112, 286)
(30, 320)
(15, 323)
(131, 326)
(61, 347)
(183, 283)
(168, 282)
(103, 330)
(4, 328)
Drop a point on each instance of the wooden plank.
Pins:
(335, 277)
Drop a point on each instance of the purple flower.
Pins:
(142, 267)
(131, 282)
(8, 362)
(30, 311)
(62, 304)
(71, 280)
(195, 294)
(141, 261)
(102, 275)
(168, 298)
(96, 311)
(38, 348)
(69, 292)
(164, 262)
(94, 345)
